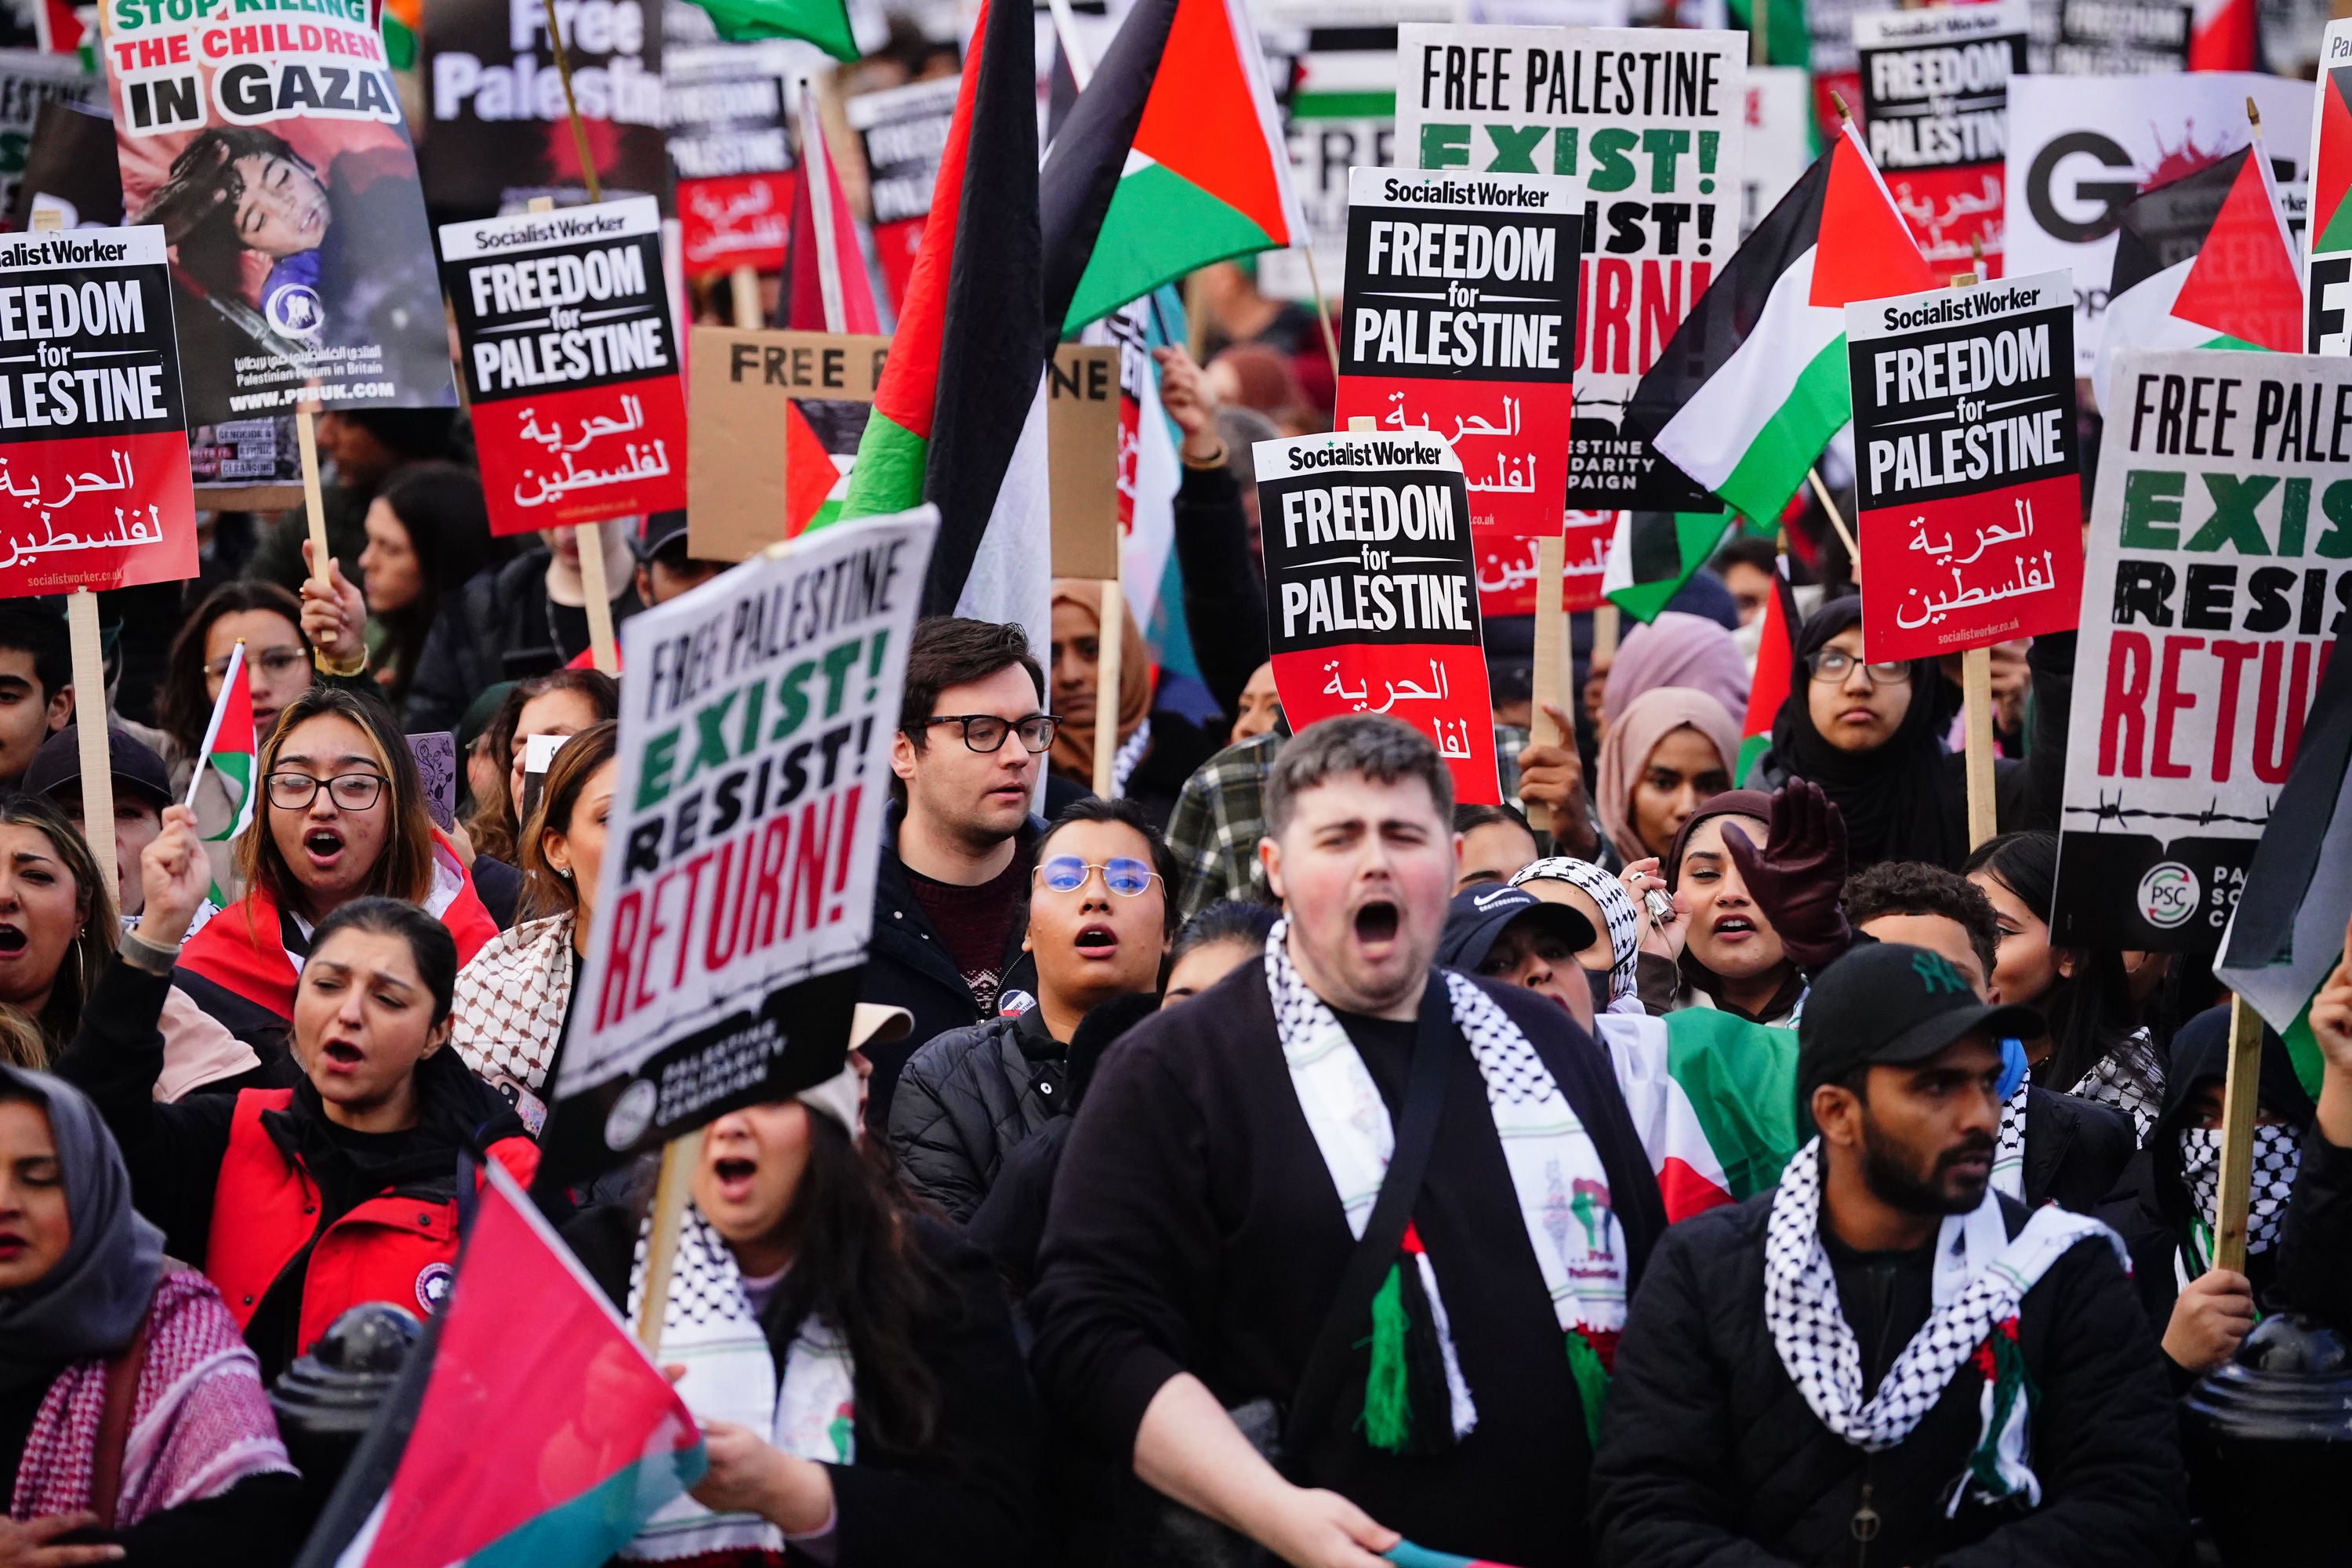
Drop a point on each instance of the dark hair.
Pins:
(544, 892)
(440, 506)
(404, 869)
(411, 435)
(954, 650)
(1126, 814)
(183, 708)
(1227, 919)
(1469, 816)
(1747, 550)
(1915, 888)
(2090, 1011)
(196, 205)
(429, 941)
(33, 627)
(1385, 751)
(492, 829)
(85, 958)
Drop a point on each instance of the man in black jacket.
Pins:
(1805, 1376)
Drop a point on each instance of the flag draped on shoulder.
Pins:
(2204, 261)
(1775, 674)
(1713, 1099)
(1653, 554)
(1206, 174)
(1753, 384)
(598, 1439)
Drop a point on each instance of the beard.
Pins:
(1887, 1169)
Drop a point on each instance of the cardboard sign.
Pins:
(2218, 580)
(436, 767)
(1649, 121)
(1339, 114)
(733, 910)
(1372, 594)
(27, 82)
(571, 364)
(729, 146)
(1082, 440)
(1966, 465)
(94, 487)
(1460, 308)
(2327, 273)
(2080, 147)
(901, 132)
(324, 293)
(745, 488)
(1935, 109)
(2123, 37)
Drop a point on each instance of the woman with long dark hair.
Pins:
(560, 702)
(428, 533)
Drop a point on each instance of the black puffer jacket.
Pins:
(966, 1098)
(2076, 1150)
(1710, 1455)
(500, 626)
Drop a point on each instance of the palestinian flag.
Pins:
(1713, 1099)
(2287, 934)
(2331, 174)
(401, 23)
(822, 258)
(1207, 172)
(1753, 384)
(821, 436)
(231, 747)
(1775, 677)
(2204, 262)
(825, 23)
(1653, 554)
(545, 1450)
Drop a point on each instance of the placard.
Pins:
(1082, 440)
(2218, 580)
(1830, 55)
(93, 435)
(1339, 114)
(2123, 37)
(1935, 112)
(2327, 273)
(733, 909)
(27, 82)
(901, 132)
(729, 148)
(1777, 145)
(1649, 121)
(2080, 147)
(571, 364)
(1372, 594)
(1970, 489)
(1459, 310)
(746, 489)
(271, 151)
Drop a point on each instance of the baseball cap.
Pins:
(137, 770)
(664, 531)
(1477, 916)
(1887, 1004)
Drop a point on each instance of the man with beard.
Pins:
(1377, 1216)
(1883, 1359)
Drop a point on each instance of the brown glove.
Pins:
(1797, 877)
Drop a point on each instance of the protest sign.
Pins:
(1934, 109)
(1339, 114)
(901, 132)
(2214, 589)
(1777, 142)
(1460, 307)
(93, 434)
(247, 465)
(1371, 595)
(1082, 430)
(2327, 273)
(746, 489)
(1967, 472)
(27, 82)
(2121, 37)
(1831, 58)
(499, 134)
(1510, 573)
(729, 147)
(571, 364)
(2081, 147)
(69, 169)
(733, 909)
(1649, 121)
(1150, 471)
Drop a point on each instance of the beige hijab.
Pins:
(1634, 734)
(1074, 746)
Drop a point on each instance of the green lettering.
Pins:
(2294, 512)
(2152, 496)
(709, 737)
(2336, 501)
(837, 663)
(1515, 149)
(1563, 149)
(792, 702)
(1664, 147)
(1445, 146)
(653, 780)
(2233, 521)
(1612, 170)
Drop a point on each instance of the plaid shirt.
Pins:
(1220, 816)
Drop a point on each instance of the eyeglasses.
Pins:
(985, 732)
(1068, 873)
(1834, 664)
(351, 792)
(275, 662)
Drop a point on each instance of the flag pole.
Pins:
(2238, 1102)
(744, 283)
(676, 1186)
(1322, 309)
(1837, 519)
(212, 725)
(816, 168)
(1110, 645)
(1976, 695)
(571, 107)
(1551, 642)
(587, 538)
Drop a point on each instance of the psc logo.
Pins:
(2168, 895)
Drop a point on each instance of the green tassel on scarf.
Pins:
(1591, 1382)
(1388, 1398)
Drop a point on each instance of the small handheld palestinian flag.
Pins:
(230, 747)
(1775, 677)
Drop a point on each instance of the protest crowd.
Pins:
(1177, 784)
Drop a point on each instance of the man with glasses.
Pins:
(951, 892)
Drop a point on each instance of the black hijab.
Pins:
(91, 1302)
(1904, 800)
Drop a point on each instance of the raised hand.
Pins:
(1797, 877)
(175, 875)
(334, 614)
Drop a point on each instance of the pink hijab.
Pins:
(1677, 649)
(1635, 734)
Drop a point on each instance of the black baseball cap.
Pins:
(137, 770)
(664, 536)
(1889, 1003)
(1477, 916)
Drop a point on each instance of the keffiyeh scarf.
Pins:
(2009, 1145)
(1981, 1274)
(1617, 912)
(2278, 1155)
(708, 1327)
(1557, 1175)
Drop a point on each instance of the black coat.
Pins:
(500, 626)
(966, 1098)
(2076, 1150)
(1710, 1455)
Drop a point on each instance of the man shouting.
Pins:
(1375, 1218)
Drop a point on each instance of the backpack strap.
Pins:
(122, 1372)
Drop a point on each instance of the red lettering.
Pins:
(311, 41)
(1584, 310)
(725, 912)
(612, 1002)
(1662, 307)
(2278, 722)
(2123, 721)
(694, 869)
(2171, 700)
(761, 931)
(805, 902)
(245, 40)
(152, 52)
(656, 928)
(1613, 317)
(2233, 656)
(127, 55)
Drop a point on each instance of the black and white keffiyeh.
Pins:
(1617, 912)
(2278, 1155)
(2009, 1144)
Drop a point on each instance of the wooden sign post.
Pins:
(2239, 1099)
(1976, 696)
(588, 538)
(1551, 640)
(1082, 467)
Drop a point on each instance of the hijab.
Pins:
(1904, 800)
(1073, 744)
(92, 1303)
(1676, 650)
(1634, 734)
(1755, 804)
(1617, 912)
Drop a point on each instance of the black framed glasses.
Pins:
(275, 662)
(1834, 664)
(1066, 874)
(350, 791)
(985, 732)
